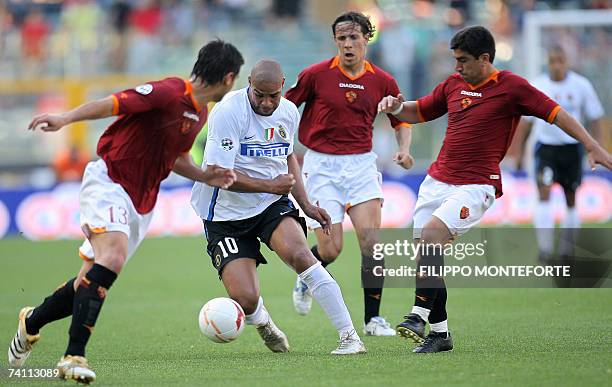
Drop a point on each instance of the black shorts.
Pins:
(559, 163)
(233, 239)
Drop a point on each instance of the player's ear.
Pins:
(283, 84)
(229, 78)
(485, 57)
(250, 80)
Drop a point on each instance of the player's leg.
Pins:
(239, 277)
(287, 238)
(570, 178)
(543, 220)
(366, 220)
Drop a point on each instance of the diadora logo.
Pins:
(471, 93)
(277, 149)
(191, 116)
(351, 86)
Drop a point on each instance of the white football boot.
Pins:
(273, 337)
(349, 344)
(21, 345)
(378, 326)
(75, 368)
(302, 299)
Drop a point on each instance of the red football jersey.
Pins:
(340, 109)
(481, 122)
(157, 122)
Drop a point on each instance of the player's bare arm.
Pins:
(403, 110)
(595, 152)
(403, 135)
(299, 193)
(213, 175)
(93, 110)
(280, 185)
(522, 134)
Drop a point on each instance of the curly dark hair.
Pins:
(475, 40)
(215, 60)
(358, 18)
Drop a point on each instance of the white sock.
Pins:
(571, 220)
(439, 327)
(544, 222)
(422, 312)
(259, 317)
(326, 291)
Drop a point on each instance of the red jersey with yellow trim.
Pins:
(481, 122)
(157, 122)
(340, 110)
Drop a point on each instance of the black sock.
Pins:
(427, 286)
(315, 252)
(372, 287)
(438, 313)
(88, 301)
(57, 306)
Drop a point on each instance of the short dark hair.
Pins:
(215, 60)
(358, 18)
(475, 40)
(556, 48)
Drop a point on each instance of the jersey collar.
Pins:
(189, 91)
(492, 77)
(367, 67)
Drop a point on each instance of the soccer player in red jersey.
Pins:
(484, 106)
(156, 127)
(341, 97)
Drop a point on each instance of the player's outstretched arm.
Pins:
(100, 108)
(280, 185)
(404, 110)
(522, 134)
(213, 175)
(596, 153)
(299, 193)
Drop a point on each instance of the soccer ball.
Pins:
(221, 320)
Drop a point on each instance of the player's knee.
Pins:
(329, 253)
(114, 259)
(366, 244)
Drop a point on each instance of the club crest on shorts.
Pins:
(465, 102)
(269, 134)
(351, 96)
(464, 213)
(217, 260)
(227, 144)
(282, 132)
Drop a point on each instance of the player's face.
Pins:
(557, 65)
(471, 69)
(265, 97)
(351, 44)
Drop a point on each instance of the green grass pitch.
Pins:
(148, 334)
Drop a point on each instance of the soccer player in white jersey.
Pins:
(252, 131)
(558, 156)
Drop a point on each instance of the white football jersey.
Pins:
(255, 145)
(576, 95)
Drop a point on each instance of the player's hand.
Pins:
(282, 184)
(220, 177)
(404, 159)
(599, 155)
(389, 104)
(320, 215)
(48, 122)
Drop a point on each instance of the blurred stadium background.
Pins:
(56, 54)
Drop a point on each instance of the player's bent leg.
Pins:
(366, 220)
(543, 219)
(289, 242)
(326, 251)
(239, 277)
(21, 345)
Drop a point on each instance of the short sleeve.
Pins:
(393, 89)
(433, 105)
(148, 96)
(529, 101)
(301, 91)
(592, 105)
(223, 138)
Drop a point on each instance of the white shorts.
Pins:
(105, 206)
(460, 207)
(337, 182)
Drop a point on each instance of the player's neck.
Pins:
(202, 92)
(354, 70)
(490, 70)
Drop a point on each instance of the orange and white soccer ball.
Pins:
(221, 320)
